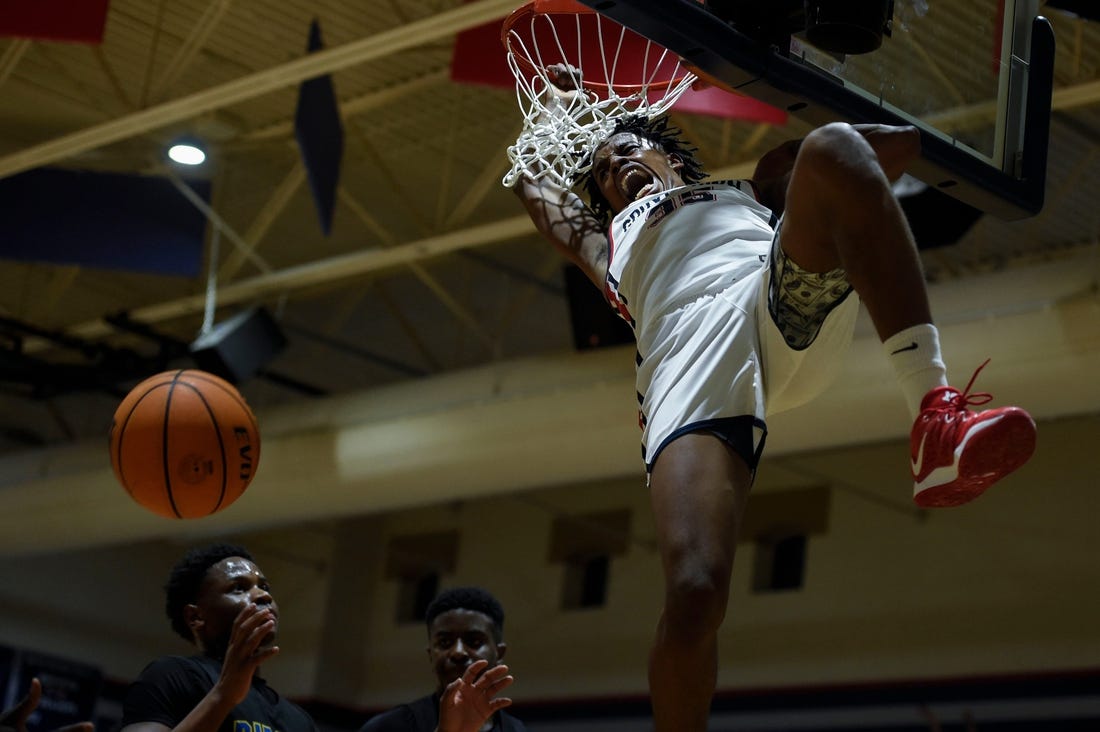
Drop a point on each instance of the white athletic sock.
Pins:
(915, 355)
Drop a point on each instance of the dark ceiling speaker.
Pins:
(237, 348)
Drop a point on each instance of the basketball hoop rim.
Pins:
(550, 8)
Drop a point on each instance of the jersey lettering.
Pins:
(243, 725)
(658, 213)
(639, 212)
(695, 195)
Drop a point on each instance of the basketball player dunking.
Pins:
(743, 296)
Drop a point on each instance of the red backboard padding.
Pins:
(80, 21)
(720, 103)
(480, 58)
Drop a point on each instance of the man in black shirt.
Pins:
(218, 599)
(465, 637)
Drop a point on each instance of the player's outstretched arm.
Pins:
(15, 718)
(559, 214)
(566, 222)
(469, 701)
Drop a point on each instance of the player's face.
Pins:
(627, 167)
(230, 586)
(456, 639)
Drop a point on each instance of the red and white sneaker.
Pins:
(958, 453)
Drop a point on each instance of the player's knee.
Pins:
(695, 600)
(831, 142)
(839, 158)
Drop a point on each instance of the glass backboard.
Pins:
(974, 75)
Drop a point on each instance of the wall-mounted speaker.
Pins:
(237, 348)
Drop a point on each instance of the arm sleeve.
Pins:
(165, 692)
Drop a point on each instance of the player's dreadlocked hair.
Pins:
(658, 130)
(468, 598)
(186, 578)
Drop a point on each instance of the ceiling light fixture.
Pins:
(187, 153)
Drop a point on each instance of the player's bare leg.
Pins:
(699, 487)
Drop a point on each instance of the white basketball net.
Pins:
(559, 131)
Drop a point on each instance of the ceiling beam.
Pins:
(449, 301)
(154, 44)
(365, 217)
(479, 187)
(10, 58)
(333, 269)
(191, 45)
(355, 105)
(407, 327)
(262, 82)
(270, 211)
(348, 266)
(216, 220)
(112, 78)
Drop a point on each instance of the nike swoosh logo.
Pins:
(919, 462)
(910, 347)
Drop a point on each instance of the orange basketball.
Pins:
(184, 444)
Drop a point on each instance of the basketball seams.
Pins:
(143, 421)
(221, 442)
(166, 423)
(118, 464)
(200, 376)
(230, 391)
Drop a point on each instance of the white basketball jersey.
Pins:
(676, 246)
(689, 270)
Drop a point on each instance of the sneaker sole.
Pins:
(989, 457)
